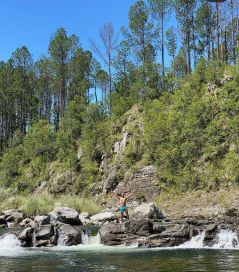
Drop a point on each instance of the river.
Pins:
(92, 256)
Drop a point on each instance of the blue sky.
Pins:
(32, 22)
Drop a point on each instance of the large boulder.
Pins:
(112, 234)
(69, 235)
(42, 220)
(26, 237)
(211, 235)
(26, 222)
(141, 227)
(66, 216)
(45, 232)
(13, 215)
(3, 220)
(103, 217)
(85, 218)
(147, 211)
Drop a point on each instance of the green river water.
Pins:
(88, 258)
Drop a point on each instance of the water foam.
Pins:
(226, 239)
(88, 239)
(9, 241)
(195, 242)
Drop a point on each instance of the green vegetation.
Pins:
(44, 203)
(63, 113)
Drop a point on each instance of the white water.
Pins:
(227, 239)
(195, 242)
(88, 239)
(9, 241)
(11, 246)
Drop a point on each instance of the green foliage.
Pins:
(192, 135)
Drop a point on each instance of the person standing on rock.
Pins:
(122, 201)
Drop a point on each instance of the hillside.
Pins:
(183, 142)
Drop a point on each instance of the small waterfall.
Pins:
(62, 239)
(34, 238)
(9, 241)
(227, 239)
(88, 239)
(195, 242)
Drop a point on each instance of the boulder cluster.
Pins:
(147, 227)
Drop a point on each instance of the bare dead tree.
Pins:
(108, 41)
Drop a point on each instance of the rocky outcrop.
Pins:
(14, 215)
(66, 215)
(210, 237)
(143, 182)
(69, 235)
(103, 217)
(26, 237)
(147, 210)
(119, 146)
(63, 227)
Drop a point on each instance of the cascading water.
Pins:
(88, 239)
(9, 241)
(227, 239)
(195, 242)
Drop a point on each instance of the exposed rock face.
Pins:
(42, 220)
(112, 180)
(46, 235)
(26, 222)
(13, 215)
(71, 235)
(103, 217)
(85, 218)
(66, 215)
(119, 146)
(211, 235)
(143, 182)
(26, 236)
(45, 232)
(143, 233)
(148, 211)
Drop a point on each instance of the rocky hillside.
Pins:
(183, 142)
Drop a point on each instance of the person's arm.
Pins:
(114, 195)
(129, 196)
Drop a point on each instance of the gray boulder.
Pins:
(69, 235)
(42, 220)
(3, 220)
(85, 218)
(103, 217)
(147, 211)
(66, 216)
(112, 234)
(13, 215)
(26, 237)
(211, 237)
(45, 232)
(25, 222)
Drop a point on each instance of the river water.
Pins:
(94, 257)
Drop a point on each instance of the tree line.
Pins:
(163, 42)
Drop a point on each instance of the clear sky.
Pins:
(32, 22)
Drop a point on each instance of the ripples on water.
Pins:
(102, 259)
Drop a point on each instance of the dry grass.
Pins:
(198, 203)
(44, 203)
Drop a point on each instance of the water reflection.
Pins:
(135, 260)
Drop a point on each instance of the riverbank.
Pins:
(147, 227)
(204, 203)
